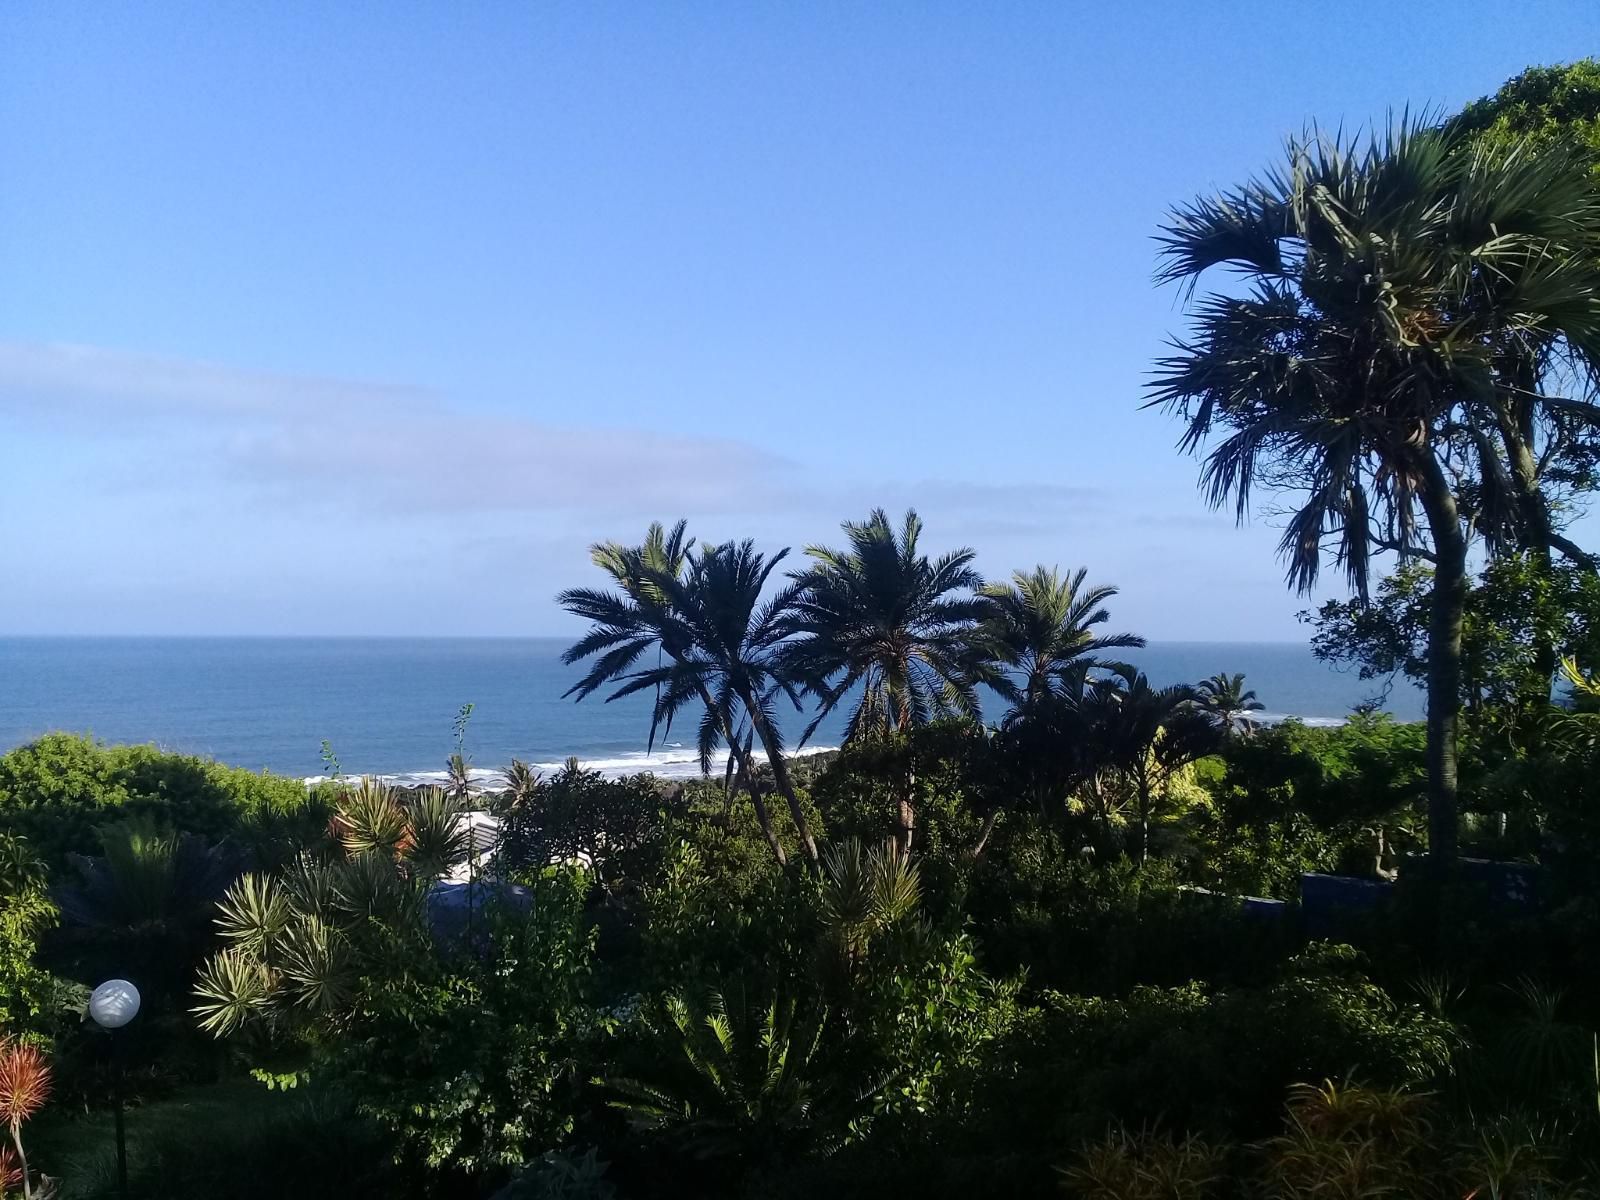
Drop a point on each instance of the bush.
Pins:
(1212, 1061)
(59, 790)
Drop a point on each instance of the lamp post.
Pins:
(113, 1004)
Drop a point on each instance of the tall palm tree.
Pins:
(726, 656)
(1362, 365)
(637, 618)
(882, 622)
(1041, 628)
(1228, 701)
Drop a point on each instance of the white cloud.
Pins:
(402, 450)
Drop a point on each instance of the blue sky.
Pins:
(368, 318)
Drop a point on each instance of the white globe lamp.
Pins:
(114, 1003)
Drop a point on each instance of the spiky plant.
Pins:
(864, 893)
(298, 942)
(24, 1087)
(1146, 1165)
(1348, 1142)
(751, 1082)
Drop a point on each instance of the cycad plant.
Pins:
(751, 1084)
(142, 907)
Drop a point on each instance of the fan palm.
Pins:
(626, 624)
(1228, 701)
(1361, 366)
(883, 623)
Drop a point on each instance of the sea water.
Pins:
(386, 705)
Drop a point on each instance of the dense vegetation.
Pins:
(1041, 926)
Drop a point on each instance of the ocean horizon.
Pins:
(385, 705)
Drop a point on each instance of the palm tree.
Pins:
(725, 645)
(637, 618)
(1138, 737)
(883, 622)
(1228, 701)
(1362, 365)
(1040, 627)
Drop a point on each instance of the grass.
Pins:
(80, 1150)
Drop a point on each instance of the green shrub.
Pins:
(59, 790)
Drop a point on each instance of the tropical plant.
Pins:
(1041, 628)
(1139, 736)
(32, 1000)
(1228, 702)
(1352, 1143)
(1146, 1166)
(521, 785)
(24, 1088)
(297, 944)
(882, 623)
(864, 893)
(1405, 301)
(645, 613)
(750, 1082)
(733, 659)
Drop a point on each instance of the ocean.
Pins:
(386, 705)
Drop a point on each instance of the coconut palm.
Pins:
(881, 622)
(1362, 364)
(725, 656)
(638, 618)
(1041, 628)
(1228, 701)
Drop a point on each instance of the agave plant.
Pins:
(24, 1087)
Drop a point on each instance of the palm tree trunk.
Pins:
(906, 824)
(781, 778)
(1448, 606)
(736, 748)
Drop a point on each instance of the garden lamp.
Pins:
(112, 1005)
